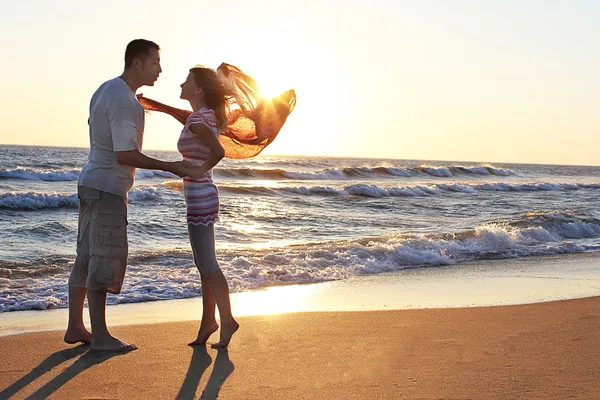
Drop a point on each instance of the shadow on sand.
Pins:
(199, 363)
(87, 360)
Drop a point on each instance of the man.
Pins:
(116, 127)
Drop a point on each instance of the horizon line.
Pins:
(337, 157)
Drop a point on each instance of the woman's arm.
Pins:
(217, 152)
(153, 105)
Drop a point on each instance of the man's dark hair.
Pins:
(138, 48)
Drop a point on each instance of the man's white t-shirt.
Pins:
(116, 124)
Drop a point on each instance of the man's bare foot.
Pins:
(77, 335)
(227, 331)
(111, 344)
(204, 334)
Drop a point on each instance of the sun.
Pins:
(271, 81)
(268, 90)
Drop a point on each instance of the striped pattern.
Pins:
(201, 195)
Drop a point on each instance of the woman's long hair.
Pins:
(216, 94)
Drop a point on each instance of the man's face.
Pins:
(149, 68)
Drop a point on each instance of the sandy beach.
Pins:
(537, 351)
(433, 333)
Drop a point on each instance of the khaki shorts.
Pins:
(101, 241)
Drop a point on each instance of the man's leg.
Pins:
(107, 265)
(76, 331)
(101, 338)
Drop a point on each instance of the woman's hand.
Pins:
(198, 172)
(194, 171)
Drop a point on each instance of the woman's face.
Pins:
(189, 89)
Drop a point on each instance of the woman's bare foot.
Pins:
(227, 331)
(111, 343)
(77, 335)
(203, 334)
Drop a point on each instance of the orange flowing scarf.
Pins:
(253, 122)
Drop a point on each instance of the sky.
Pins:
(478, 80)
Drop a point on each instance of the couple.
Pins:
(116, 127)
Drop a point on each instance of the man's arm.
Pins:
(135, 158)
(125, 132)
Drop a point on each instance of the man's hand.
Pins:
(188, 164)
(180, 169)
(195, 171)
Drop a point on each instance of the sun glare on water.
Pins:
(275, 300)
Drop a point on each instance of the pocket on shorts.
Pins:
(110, 236)
(106, 274)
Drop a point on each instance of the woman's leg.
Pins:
(208, 324)
(208, 304)
(220, 289)
(203, 244)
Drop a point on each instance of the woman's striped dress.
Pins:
(201, 195)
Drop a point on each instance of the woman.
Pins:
(230, 118)
(199, 145)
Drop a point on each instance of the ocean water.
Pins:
(291, 220)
